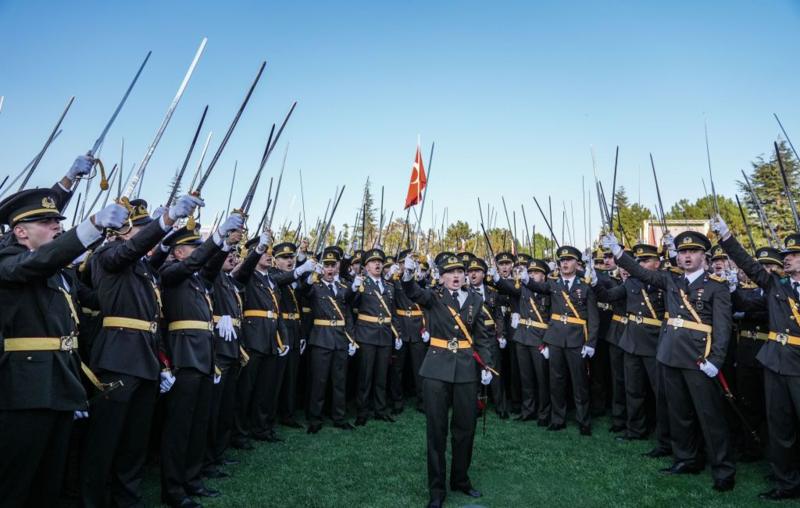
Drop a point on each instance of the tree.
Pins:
(768, 186)
(703, 209)
(628, 218)
(458, 234)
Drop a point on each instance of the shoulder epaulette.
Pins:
(675, 269)
(716, 277)
(553, 276)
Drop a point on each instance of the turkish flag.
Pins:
(418, 181)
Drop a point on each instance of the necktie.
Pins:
(795, 285)
(330, 286)
(566, 283)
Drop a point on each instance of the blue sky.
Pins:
(513, 93)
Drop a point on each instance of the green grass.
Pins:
(514, 464)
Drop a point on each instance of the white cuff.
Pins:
(163, 224)
(217, 238)
(261, 248)
(88, 233)
(226, 247)
(407, 276)
(64, 188)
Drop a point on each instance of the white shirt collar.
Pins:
(691, 277)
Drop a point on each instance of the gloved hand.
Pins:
(493, 273)
(393, 270)
(318, 269)
(158, 212)
(232, 223)
(609, 242)
(545, 352)
(112, 216)
(217, 378)
(81, 167)
(514, 320)
(78, 415)
(502, 342)
(426, 335)
(709, 369)
(435, 274)
(587, 352)
(167, 380)
(524, 276)
(226, 328)
(303, 344)
(486, 377)
(264, 239)
(592, 273)
(351, 349)
(733, 280)
(357, 281)
(669, 242)
(185, 206)
(410, 264)
(284, 351)
(719, 227)
(398, 344)
(305, 268)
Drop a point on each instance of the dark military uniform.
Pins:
(262, 337)
(780, 356)
(612, 315)
(698, 329)
(189, 345)
(375, 333)
(450, 378)
(573, 324)
(126, 349)
(534, 311)
(39, 366)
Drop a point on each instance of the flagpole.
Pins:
(424, 196)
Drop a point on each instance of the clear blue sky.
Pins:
(513, 93)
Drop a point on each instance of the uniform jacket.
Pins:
(582, 297)
(526, 299)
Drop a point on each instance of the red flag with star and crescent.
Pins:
(418, 181)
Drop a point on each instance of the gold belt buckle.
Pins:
(333, 321)
(677, 322)
(380, 320)
(637, 319)
(564, 318)
(452, 345)
(624, 320)
(67, 343)
(153, 326)
(210, 326)
(782, 338)
(408, 313)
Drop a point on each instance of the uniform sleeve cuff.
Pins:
(88, 233)
(164, 226)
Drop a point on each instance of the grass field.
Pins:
(514, 464)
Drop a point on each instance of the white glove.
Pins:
(709, 369)
(232, 223)
(410, 264)
(524, 276)
(226, 329)
(486, 377)
(158, 212)
(719, 227)
(393, 270)
(592, 273)
(610, 242)
(217, 378)
(81, 167)
(426, 335)
(185, 206)
(493, 274)
(112, 216)
(435, 274)
(545, 352)
(587, 352)
(318, 269)
(305, 268)
(357, 281)
(398, 344)
(167, 380)
(78, 415)
(669, 242)
(303, 344)
(264, 239)
(502, 342)
(733, 280)
(351, 349)
(284, 351)
(514, 320)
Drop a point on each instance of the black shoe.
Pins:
(421, 409)
(557, 426)
(681, 468)
(503, 415)
(630, 437)
(525, 418)
(227, 461)
(468, 490)
(183, 503)
(724, 485)
(242, 444)
(204, 492)
(586, 430)
(215, 474)
(344, 426)
(272, 437)
(361, 421)
(435, 503)
(291, 423)
(314, 428)
(780, 494)
(657, 453)
(543, 423)
(396, 411)
(616, 428)
(385, 418)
